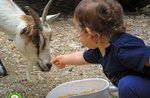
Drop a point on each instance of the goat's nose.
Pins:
(49, 65)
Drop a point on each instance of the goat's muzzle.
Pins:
(45, 68)
(3, 71)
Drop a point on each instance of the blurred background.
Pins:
(66, 7)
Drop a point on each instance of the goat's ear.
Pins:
(24, 31)
(50, 18)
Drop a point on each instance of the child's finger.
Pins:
(53, 61)
(60, 67)
(57, 63)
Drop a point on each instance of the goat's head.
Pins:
(34, 37)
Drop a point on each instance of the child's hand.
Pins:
(58, 61)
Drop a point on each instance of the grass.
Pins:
(115, 97)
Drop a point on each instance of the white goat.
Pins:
(30, 33)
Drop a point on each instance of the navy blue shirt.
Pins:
(126, 55)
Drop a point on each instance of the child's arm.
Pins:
(75, 58)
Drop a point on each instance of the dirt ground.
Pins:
(64, 40)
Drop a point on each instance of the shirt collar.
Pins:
(114, 38)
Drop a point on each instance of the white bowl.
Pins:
(79, 86)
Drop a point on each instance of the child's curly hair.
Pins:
(102, 16)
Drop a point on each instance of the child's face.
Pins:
(87, 39)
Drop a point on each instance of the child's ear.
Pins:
(89, 31)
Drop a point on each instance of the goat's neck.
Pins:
(10, 18)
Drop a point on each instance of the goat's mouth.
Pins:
(45, 68)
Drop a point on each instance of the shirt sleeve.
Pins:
(93, 56)
(133, 57)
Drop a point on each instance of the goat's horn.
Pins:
(35, 16)
(46, 11)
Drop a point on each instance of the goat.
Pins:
(30, 32)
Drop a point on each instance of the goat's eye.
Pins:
(35, 42)
(24, 31)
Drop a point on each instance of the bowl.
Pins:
(79, 86)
